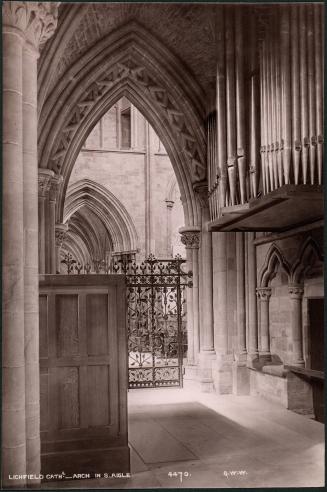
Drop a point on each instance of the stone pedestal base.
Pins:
(276, 384)
(205, 378)
(241, 376)
(223, 374)
(191, 377)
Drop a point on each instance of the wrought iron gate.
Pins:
(156, 317)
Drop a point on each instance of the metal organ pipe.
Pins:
(296, 135)
(254, 143)
(230, 99)
(240, 117)
(221, 109)
(286, 91)
(312, 96)
(318, 14)
(304, 93)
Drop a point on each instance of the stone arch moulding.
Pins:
(129, 62)
(107, 207)
(309, 253)
(273, 258)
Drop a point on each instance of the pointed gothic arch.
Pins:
(112, 213)
(132, 63)
(309, 254)
(274, 258)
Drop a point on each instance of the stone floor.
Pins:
(183, 439)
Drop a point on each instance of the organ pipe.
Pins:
(279, 81)
(286, 91)
(240, 119)
(304, 93)
(230, 100)
(295, 94)
(221, 109)
(254, 143)
(319, 87)
(312, 96)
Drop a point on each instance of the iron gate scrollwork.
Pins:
(156, 317)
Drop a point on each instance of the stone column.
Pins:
(169, 204)
(251, 287)
(241, 381)
(222, 367)
(13, 359)
(60, 235)
(296, 294)
(190, 237)
(26, 26)
(207, 351)
(44, 180)
(264, 294)
(55, 184)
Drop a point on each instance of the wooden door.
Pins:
(316, 347)
(83, 365)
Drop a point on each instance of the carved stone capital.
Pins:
(36, 20)
(190, 237)
(296, 291)
(55, 184)
(264, 293)
(44, 181)
(60, 234)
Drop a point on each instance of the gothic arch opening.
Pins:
(132, 63)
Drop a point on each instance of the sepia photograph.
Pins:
(162, 245)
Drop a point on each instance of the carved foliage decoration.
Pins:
(129, 69)
(37, 20)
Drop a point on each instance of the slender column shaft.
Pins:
(296, 294)
(252, 273)
(52, 220)
(240, 268)
(206, 298)
(13, 360)
(220, 304)
(189, 307)
(264, 294)
(31, 281)
(44, 181)
(169, 205)
(195, 290)
(190, 238)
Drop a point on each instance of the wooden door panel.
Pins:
(83, 381)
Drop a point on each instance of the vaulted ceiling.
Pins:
(188, 30)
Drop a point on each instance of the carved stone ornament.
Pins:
(190, 239)
(132, 69)
(264, 293)
(60, 234)
(296, 291)
(44, 181)
(37, 20)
